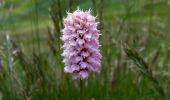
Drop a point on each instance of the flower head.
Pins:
(81, 44)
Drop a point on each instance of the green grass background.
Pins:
(145, 28)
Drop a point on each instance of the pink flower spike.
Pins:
(81, 44)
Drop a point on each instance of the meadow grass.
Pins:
(31, 65)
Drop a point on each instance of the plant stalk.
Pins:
(81, 90)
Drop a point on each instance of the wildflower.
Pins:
(81, 44)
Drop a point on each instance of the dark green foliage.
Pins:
(144, 69)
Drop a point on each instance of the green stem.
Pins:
(37, 25)
(81, 90)
(94, 7)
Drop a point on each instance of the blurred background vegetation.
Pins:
(31, 67)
